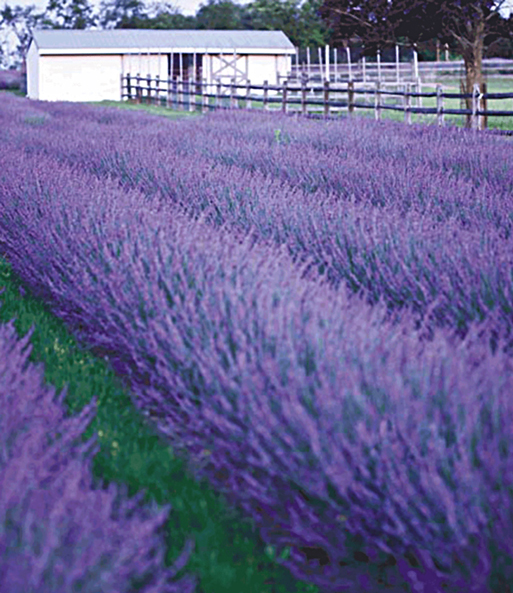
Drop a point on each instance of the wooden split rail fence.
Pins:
(326, 99)
(367, 70)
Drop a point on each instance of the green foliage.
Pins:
(221, 14)
(122, 14)
(20, 21)
(300, 21)
(70, 14)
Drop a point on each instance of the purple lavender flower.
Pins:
(369, 434)
(56, 531)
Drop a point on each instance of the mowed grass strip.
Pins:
(149, 107)
(229, 555)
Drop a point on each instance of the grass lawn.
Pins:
(495, 85)
(150, 108)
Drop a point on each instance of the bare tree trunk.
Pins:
(23, 88)
(473, 63)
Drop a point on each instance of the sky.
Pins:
(187, 7)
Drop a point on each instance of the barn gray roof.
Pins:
(133, 40)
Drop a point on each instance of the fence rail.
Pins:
(326, 99)
(372, 69)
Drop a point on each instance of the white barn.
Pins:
(72, 65)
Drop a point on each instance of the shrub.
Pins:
(10, 80)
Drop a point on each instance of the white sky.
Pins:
(187, 7)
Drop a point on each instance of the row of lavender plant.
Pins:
(432, 231)
(419, 168)
(56, 532)
(10, 80)
(342, 433)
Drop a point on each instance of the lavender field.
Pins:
(318, 314)
(10, 80)
(56, 532)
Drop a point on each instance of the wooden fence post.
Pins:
(266, 95)
(419, 90)
(128, 87)
(218, 94)
(248, 94)
(407, 103)
(233, 99)
(157, 89)
(204, 87)
(180, 95)
(439, 105)
(138, 90)
(475, 107)
(326, 98)
(377, 102)
(484, 101)
(192, 95)
(284, 96)
(148, 80)
(303, 96)
(350, 97)
(200, 92)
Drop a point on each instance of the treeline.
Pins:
(298, 19)
(479, 29)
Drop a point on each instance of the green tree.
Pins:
(69, 14)
(469, 26)
(167, 16)
(221, 14)
(280, 15)
(313, 31)
(6, 57)
(300, 21)
(122, 14)
(21, 21)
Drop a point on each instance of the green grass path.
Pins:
(229, 555)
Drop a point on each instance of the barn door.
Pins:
(226, 67)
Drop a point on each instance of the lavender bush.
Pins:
(341, 196)
(10, 80)
(57, 533)
(358, 435)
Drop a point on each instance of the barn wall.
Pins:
(80, 78)
(266, 67)
(284, 64)
(97, 77)
(145, 64)
(33, 72)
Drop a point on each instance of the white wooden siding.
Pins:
(80, 78)
(32, 72)
(265, 67)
